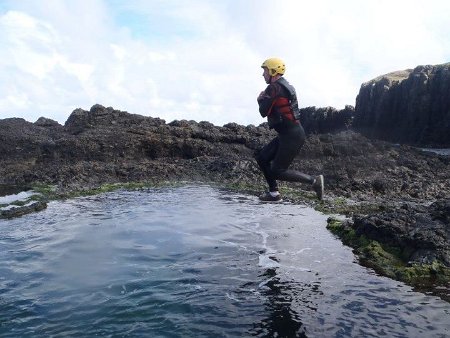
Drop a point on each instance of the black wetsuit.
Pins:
(275, 158)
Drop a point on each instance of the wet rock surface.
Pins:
(421, 232)
(407, 190)
(17, 211)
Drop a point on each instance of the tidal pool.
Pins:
(195, 261)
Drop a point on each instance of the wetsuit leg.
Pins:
(264, 159)
(290, 143)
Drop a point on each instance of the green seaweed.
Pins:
(390, 261)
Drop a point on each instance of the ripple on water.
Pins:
(195, 262)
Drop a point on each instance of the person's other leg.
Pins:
(289, 147)
(264, 158)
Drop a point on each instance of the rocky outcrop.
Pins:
(408, 107)
(108, 145)
(386, 188)
(104, 145)
(421, 233)
(326, 120)
(17, 211)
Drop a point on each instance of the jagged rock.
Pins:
(94, 145)
(98, 116)
(421, 233)
(326, 120)
(45, 122)
(409, 107)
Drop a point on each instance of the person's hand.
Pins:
(261, 95)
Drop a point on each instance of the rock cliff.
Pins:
(326, 120)
(408, 107)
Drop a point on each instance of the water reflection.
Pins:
(282, 320)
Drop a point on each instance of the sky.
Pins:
(200, 59)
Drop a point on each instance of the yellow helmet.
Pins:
(275, 66)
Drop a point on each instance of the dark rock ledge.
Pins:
(396, 197)
(20, 210)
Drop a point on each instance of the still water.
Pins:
(195, 262)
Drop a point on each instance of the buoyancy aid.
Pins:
(286, 106)
(281, 106)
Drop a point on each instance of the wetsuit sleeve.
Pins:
(265, 103)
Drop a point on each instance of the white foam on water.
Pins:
(264, 282)
(265, 261)
(21, 196)
(229, 296)
(302, 250)
(439, 151)
(12, 206)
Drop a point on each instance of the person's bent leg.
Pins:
(289, 147)
(279, 170)
(264, 158)
(290, 175)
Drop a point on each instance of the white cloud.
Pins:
(201, 60)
